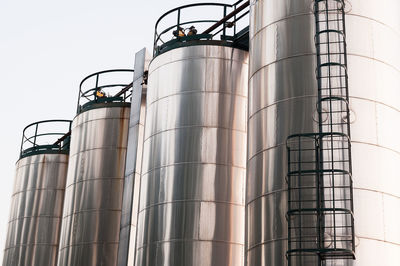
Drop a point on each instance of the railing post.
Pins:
(34, 139)
(224, 25)
(178, 21)
(234, 24)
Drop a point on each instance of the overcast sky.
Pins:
(47, 47)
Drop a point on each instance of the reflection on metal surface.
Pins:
(282, 100)
(191, 209)
(93, 195)
(36, 210)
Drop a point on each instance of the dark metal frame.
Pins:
(87, 98)
(319, 196)
(217, 26)
(60, 145)
(319, 164)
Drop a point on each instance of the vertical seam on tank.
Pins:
(383, 216)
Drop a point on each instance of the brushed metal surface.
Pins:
(282, 94)
(191, 209)
(36, 211)
(93, 195)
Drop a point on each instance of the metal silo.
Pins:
(37, 200)
(191, 207)
(285, 100)
(93, 194)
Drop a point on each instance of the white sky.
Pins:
(47, 47)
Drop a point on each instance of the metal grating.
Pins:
(320, 187)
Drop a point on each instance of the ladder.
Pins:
(320, 187)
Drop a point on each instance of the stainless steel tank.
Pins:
(191, 209)
(93, 195)
(38, 196)
(282, 101)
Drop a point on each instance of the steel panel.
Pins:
(271, 253)
(364, 126)
(218, 146)
(30, 203)
(269, 12)
(385, 13)
(387, 127)
(31, 255)
(198, 108)
(192, 184)
(191, 220)
(194, 63)
(183, 252)
(272, 124)
(381, 162)
(391, 218)
(89, 254)
(133, 165)
(299, 84)
(372, 252)
(375, 41)
(266, 163)
(207, 182)
(369, 206)
(36, 209)
(292, 37)
(81, 163)
(93, 194)
(372, 75)
(93, 198)
(190, 78)
(94, 137)
(272, 222)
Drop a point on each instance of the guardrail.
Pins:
(100, 87)
(47, 136)
(218, 22)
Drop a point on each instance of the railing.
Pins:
(100, 87)
(206, 21)
(47, 136)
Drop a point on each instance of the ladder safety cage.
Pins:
(320, 186)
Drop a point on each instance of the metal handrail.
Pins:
(219, 24)
(317, 135)
(45, 141)
(90, 96)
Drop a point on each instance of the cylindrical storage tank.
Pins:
(38, 196)
(191, 209)
(191, 205)
(282, 102)
(93, 194)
